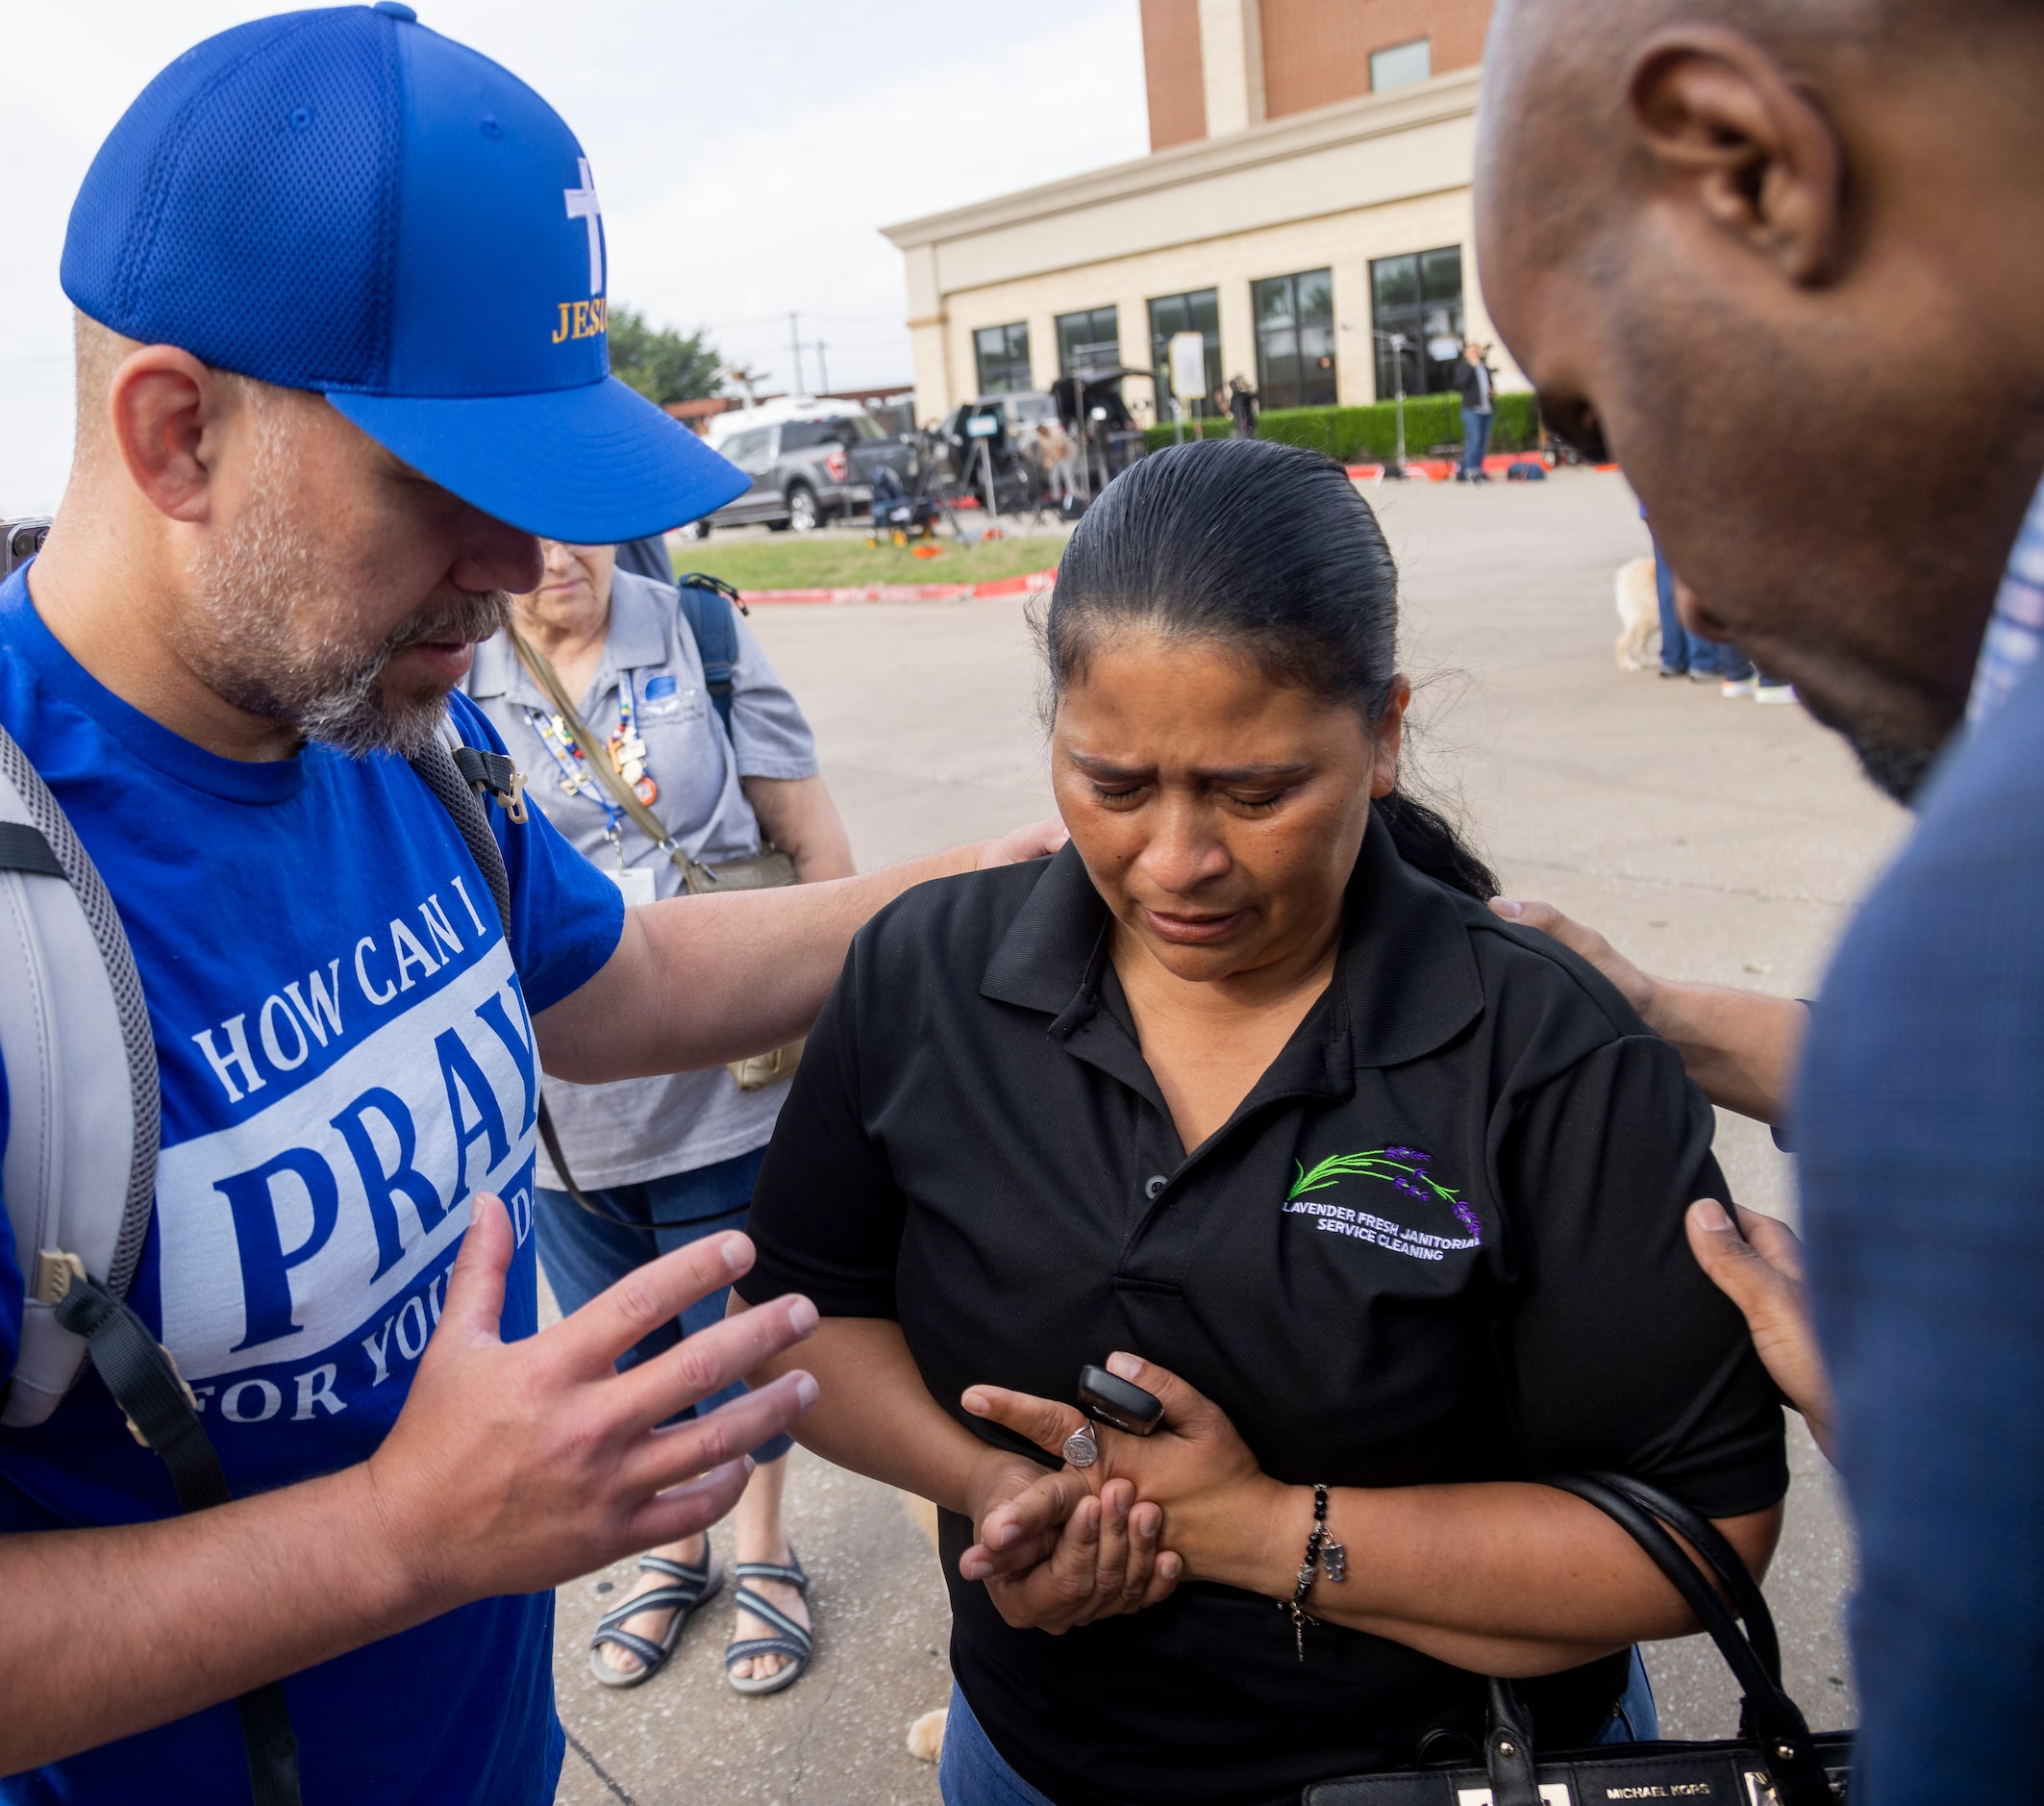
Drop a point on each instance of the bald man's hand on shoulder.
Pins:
(1738, 1047)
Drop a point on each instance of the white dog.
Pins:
(1638, 613)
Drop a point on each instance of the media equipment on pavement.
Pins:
(20, 540)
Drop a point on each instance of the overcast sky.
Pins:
(745, 153)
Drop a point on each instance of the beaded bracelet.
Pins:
(1321, 1551)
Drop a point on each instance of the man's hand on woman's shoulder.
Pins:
(1018, 844)
(1758, 1265)
(1635, 986)
(1739, 1048)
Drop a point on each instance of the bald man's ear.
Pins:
(1760, 158)
(165, 411)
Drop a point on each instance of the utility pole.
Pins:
(823, 369)
(794, 341)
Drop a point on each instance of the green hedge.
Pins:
(1370, 435)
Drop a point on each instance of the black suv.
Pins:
(803, 471)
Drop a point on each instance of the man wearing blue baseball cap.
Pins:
(342, 356)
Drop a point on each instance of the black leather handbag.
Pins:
(1774, 1761)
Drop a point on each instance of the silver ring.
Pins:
(1080, 1447)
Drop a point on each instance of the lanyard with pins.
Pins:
(628, 751)
(568, 757)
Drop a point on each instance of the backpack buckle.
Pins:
(514, 800)
(55, 1271)
(493, 774)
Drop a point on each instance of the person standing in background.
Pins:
(1476, 383)
(667, 1159)
(1059, 458)
(1684, 654)
(1242, 403)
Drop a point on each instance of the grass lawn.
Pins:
(837, 561)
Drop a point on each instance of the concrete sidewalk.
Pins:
(1711, 838)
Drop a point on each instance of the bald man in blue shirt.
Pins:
(1706, 230)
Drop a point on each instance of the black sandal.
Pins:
(692, 1584)
(790, 1638)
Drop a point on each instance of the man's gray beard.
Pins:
(352, 714)
(272, 638)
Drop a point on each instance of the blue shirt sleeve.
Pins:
(1920, 1129)
(566, 916)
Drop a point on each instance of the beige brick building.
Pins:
(1306, 198)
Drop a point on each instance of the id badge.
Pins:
(637, 882)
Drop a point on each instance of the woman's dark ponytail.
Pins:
(1428, 842)
(1268, 549)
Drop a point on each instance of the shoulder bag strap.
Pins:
(460, 796)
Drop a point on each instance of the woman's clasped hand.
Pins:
(1193, 1477)
(1069, 1553)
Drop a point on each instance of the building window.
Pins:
(1295, 339)
(1419, 298)
(1398, 65)
(1199, 311)
(1088, 341)
(1003, 354)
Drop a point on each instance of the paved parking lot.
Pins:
(1712, 839)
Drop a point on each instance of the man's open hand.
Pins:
(515, 1466)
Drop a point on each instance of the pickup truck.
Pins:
(803, 471)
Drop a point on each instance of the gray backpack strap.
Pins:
(79, 1173)
(459, 776)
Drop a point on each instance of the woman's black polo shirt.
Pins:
(1442, 1239)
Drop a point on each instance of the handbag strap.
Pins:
(1747, 1601)
(1768, 1718)
(1508, 1751)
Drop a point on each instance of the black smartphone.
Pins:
(1115, 1402)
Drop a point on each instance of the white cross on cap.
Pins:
(583, 205)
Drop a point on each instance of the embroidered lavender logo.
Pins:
(1405, 1169)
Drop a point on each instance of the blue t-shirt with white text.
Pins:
(346, 1050)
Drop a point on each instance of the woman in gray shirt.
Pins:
(671, 1159)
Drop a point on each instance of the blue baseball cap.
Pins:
(344, 201)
